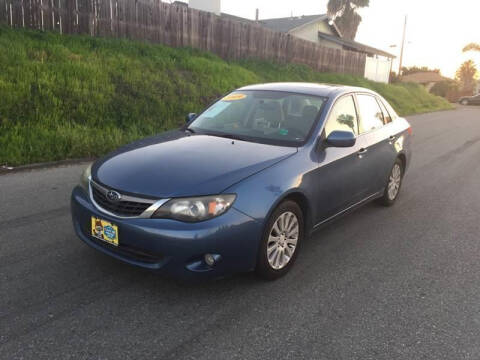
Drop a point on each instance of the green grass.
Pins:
(75, 96)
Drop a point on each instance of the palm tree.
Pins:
(472, 47)
(466, 74)
(344, 12)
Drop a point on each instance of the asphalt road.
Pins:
(381, 283)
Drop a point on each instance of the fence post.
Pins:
(23, 14)
(76, 13)
(60, 15)
(41, 14)
(111, 18)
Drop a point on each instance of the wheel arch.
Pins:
(301, 199)
(403, 159)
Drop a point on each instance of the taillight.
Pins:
(410, 131)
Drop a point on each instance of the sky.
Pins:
(437, 30)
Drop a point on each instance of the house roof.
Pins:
(356, 46)
(289, 23)
(237, 18)
(423, 77)
(286, 24)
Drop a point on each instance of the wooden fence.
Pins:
(177, 26)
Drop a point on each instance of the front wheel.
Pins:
(281, 239)
(394, 183)
(464, 102)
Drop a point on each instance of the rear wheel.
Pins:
(281, 239)
(394, 183)
(464, 102)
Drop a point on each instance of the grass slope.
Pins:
(76, 96)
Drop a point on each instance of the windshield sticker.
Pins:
(283, 132)
(234, 97)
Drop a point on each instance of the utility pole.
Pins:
(403, 47)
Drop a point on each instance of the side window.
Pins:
(386, 115)
(343, 117)
(371, 116)
(392, 112)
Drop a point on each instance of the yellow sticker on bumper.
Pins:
(105, 231)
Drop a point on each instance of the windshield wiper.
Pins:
(228, 136)
(191, 130)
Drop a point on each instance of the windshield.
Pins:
(261, 116)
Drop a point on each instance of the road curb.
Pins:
(4, 170)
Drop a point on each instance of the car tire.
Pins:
(464, 102)
(280, 243)
(394, 184)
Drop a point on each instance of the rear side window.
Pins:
(371, 116)
(343, 117)
(392, 112)
(386, 115)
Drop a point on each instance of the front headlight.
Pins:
(195, 209)
(85, 178)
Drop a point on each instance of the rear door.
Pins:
(375, 135)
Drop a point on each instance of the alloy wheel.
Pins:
(394, 182)
(282, 241)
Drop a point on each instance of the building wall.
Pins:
(378, 69)
(429, 86)
(310, 31)
(329, 44)
(213, 6)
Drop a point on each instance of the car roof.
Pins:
(327, 90)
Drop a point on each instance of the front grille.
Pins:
(120, 208)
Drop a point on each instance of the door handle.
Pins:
(391, 139)
(362, 152)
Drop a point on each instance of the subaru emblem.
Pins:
(113, 196)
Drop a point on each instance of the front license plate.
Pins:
(105, 231)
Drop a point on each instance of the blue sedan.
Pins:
(242, 185)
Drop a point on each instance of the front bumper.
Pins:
(173, 247)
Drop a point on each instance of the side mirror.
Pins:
(342, 139)
(190, 117)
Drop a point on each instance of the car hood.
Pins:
(177, 165)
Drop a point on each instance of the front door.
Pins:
(339, 168)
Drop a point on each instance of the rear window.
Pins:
(386, 115)
(391, 111)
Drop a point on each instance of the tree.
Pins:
(472, 47)
(417, 69)
(466, 75)
(394, 78)
(344, 13)
(449, 89)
